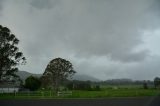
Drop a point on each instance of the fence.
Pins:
(64, 93)
(8, 90)
(39, 94)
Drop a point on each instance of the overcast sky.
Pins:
(102, 38)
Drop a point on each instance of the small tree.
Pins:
(10, 56)
(32, 83)
(58, 70)
(97, 88)
(156, 82)
(145, 85)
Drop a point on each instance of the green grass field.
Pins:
(115, 93)
(105, 92)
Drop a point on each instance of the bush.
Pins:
(32, 83)
(97, 88)
(145, 86)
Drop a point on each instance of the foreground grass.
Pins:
(115, 93)
(105, 93)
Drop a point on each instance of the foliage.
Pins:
(10, 56)
(97, 88)
(46, 82)
(58, 70)
(145, 86)
(157, 82)
(32, 83)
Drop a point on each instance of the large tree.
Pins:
(58, 70)
(10, 56)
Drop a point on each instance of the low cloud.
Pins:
(77, 30)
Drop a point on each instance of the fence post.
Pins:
(28, 93)
(57, 93)
(136, 93)
(50, 93)
(42, 94)
(14, 93)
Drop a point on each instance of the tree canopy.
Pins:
(10, 56)
(32, 83)
(156, 82)
(58, 70)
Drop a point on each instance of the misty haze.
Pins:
(80, 46)
(103, 39)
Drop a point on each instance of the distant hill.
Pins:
(24, 74)
(83, 77)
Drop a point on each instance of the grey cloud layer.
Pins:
(76, 29)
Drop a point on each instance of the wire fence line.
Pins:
(38, 94)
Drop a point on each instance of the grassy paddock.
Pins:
(131, 86)
(104, 93)
(115, 93)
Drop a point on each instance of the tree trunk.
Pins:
(56, 85)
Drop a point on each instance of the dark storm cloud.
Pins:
(82, 30)
(93, 28)
(106, 28)
(1, 4)
(155, 7)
